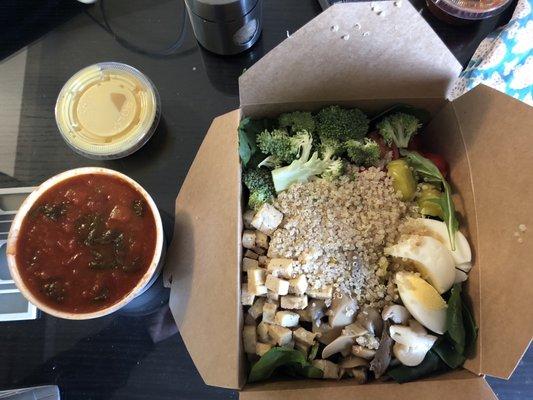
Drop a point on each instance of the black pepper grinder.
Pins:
(225, 27)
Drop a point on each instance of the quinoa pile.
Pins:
(337, 231)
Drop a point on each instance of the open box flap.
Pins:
(401, 57)
(204, 253)
(458, 385)
(497, 133)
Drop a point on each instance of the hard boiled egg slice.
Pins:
(422, 301)
(430, 257)
(437, 230)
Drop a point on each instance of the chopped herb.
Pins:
(138, 207)
(103, 295)
(53, 211)
(55, 290)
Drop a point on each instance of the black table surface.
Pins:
(137, 353)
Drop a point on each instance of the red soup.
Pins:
(86, 243)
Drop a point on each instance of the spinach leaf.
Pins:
(277, 357)
(431, 364)
(430, 173)
(53, 211)
(248, 130)
(470, 330)
(446, 352)
(313, 352)
(138, 207)
(422, 115)
(455, 329)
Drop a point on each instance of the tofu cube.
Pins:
(269, 312)
(257, 309)
(249, 263)
(256, 276)
(249, 339)
(262, 332)
(282, 335)
(324, 293)
(263, 261)
(287, 319)
(298, 285)
(247, 218)
(262, 348)
(248, 239)
(330, 370)
(247, 299)
(277, 285)
(302, 335)
(267, 219)
(282, 267)
(304, 348)
(272, 296)
(261, 240)
(260, 251)
(293, 302)
(251, 254)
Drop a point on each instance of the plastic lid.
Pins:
(471, 9)
(107, 110)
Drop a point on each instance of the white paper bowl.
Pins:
(144, 282)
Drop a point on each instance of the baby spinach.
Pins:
(293, 360)
(313, 352)
(470, 329)
(445, 350)
(455, 329)
(430, 173)
(431, 364)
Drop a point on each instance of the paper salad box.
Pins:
(485, 136)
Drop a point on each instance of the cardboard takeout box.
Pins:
(485, 136)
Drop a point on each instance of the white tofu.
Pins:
(247, 299)
(293, 302)
(256, 276)
(247, 218)
(282, 335)
(298, 285)
(262, 332)
(277, 285)
(302, 335)
(249, 263)
(324, 293)
(269, 312)
(262, 348)
(261, 240)
(282, 267)
(251, 254)
(287, 319)
(272, 296)
(330, 370)
(248, 239)
(267, 219)
(256, 310)
(263, 261)
(249, 339)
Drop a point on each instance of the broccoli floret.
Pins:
(297, 121)
(363, 152)
(330, 147)
(398, 129)
(303, 168)
(334, 170)
(259, 183)
(271, 162)
(281, 145)
(342, 124)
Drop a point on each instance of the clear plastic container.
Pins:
(466, 11)
(107, 110)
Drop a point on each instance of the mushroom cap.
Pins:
(342, 311)
(325, 333)
(408, 356)
(342, 343)
(370, 319)
(408, 337)
(355, 329)
(396, 313)
(363, 352)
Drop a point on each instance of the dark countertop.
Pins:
(135, 354)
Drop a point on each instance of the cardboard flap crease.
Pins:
(204, 254)
(401, 57)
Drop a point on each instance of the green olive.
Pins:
(403, 180)
(425, 203)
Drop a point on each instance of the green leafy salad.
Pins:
(353, 262)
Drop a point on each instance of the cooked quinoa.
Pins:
(337, 231)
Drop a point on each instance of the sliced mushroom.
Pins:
(316, 309)
(341, 344)
(381, 360)
(354, 329)
(342, 311)
(363, 352)
(370, 319)
(396, 313)
(326, 334)
(353, 362)
(411, 344)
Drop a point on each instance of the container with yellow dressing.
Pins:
(107, 110)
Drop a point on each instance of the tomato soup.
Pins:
(86, 243)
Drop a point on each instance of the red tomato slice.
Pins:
(439, 162)
(383, 147)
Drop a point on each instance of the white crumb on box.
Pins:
(345, 37)
(522, 227)
(357, 26)
(366, 33)
(520, 240)
(334, 28)
(398, 3)
(288, 34)
(194, 68)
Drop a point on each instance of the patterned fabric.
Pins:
(504, 59)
